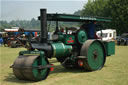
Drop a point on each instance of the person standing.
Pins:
(90, 28)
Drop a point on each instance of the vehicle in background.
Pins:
(107, 34)
(123, 39)
(18, 37)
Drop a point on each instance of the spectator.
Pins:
(90, 28)
(1, 40)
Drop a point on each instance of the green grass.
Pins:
(115, 71)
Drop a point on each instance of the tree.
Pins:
(119, 13)
(94, 8)
(77, 12)
(26, 24)
(117, 10)
(4, 24)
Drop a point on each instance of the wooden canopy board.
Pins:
(75, 18)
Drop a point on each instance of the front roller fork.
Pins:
(31, 65)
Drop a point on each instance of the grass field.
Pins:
(115, 71)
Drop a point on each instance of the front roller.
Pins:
(31, 67)
(94, 53)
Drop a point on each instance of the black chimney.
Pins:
(43, 20)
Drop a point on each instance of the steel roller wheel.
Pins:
(23, 68)
(94, 52)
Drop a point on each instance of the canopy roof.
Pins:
(75, 18)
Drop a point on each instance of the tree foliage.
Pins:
(32, 24)
(35, 24)
(116, 9)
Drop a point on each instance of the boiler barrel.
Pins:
(61, 50)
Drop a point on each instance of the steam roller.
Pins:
(72, 48)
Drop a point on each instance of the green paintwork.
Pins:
(40, 74)
(69, 39)
(81, 36)
(66, 38)
(76, 18)
(60, 37)
(110, 47)
(61, 50)
(97, 63)
(29, 52)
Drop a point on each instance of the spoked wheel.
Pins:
(25, 68)
(94, 52)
